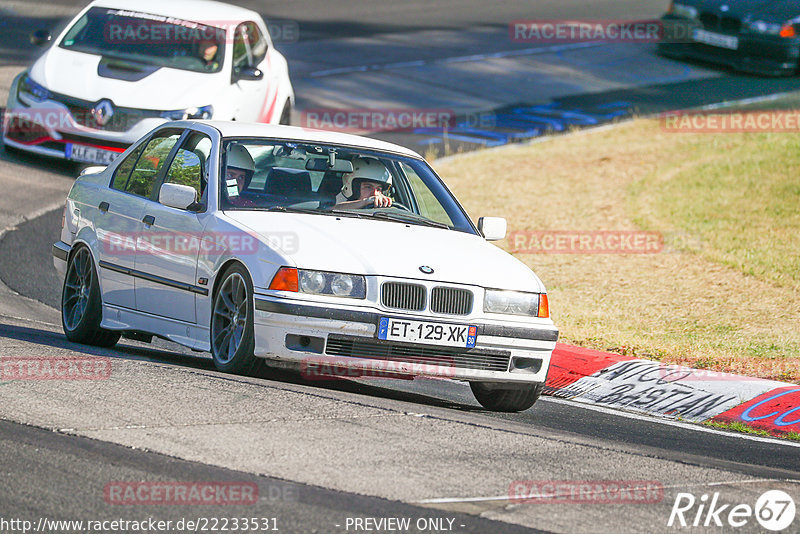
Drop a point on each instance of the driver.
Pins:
(239, 170)
(366, 186)
(207, 53)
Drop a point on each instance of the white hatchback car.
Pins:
(117, 71)
(265, 243)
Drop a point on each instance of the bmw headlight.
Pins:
(335, 284)
(515, 303)
(205, 112)
(682, 10)
(762, 26)
(32, 89)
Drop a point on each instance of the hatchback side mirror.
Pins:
(246, 73)
(177, 195)
(40, 37)
(492, 228)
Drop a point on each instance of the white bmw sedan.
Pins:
(119, 69)
(337, 254)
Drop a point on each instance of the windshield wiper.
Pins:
(290, 209)
(347, 213)
(315, 211)
(411, 219)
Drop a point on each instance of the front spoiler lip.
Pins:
(369, 317)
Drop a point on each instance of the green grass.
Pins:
(739, 196)
(737, 426)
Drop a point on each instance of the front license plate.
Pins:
(450, 335)
(716, 39)
(90, 154)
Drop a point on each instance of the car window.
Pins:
(264, 174)
(143, 177)
(427, 204)
(190, 165)
(249, 45)
(124, 169)
(258, 43)
(147, 40)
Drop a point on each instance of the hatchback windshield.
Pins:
(151, 40)
(332, 180)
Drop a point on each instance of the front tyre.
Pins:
(232, 338)
(504, 398)
(81, 304)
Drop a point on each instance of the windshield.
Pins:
(150, 40)
(331, 180)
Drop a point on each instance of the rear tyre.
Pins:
(81, 304)
(232, 337)
(504, 398)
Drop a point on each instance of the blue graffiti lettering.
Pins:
(746, 415)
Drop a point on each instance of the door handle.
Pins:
(103, 206)
(149, 220)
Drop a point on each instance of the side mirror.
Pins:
(40, 37)
(247, 73)
(492, 228)
(94, 169)
(177, 195)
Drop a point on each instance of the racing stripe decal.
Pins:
(266, 116)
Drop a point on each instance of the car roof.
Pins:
(294, 133)
(203, 11)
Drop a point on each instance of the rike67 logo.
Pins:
(774, 510)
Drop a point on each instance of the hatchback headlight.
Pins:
(335, 284)
(515, 303)
(682, 10)
(32, 89)
(205, 112)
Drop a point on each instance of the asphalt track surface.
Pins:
(58, 474)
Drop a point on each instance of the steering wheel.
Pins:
(394, 205)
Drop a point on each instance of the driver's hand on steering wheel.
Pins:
(379, 200)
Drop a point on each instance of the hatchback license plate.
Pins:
(90, 154)
(450, 335)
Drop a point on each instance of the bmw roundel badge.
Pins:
(425, 269)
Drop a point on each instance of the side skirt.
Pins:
(187, 334)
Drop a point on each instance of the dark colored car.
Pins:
(759, 36)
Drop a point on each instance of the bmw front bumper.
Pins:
(314, 335)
